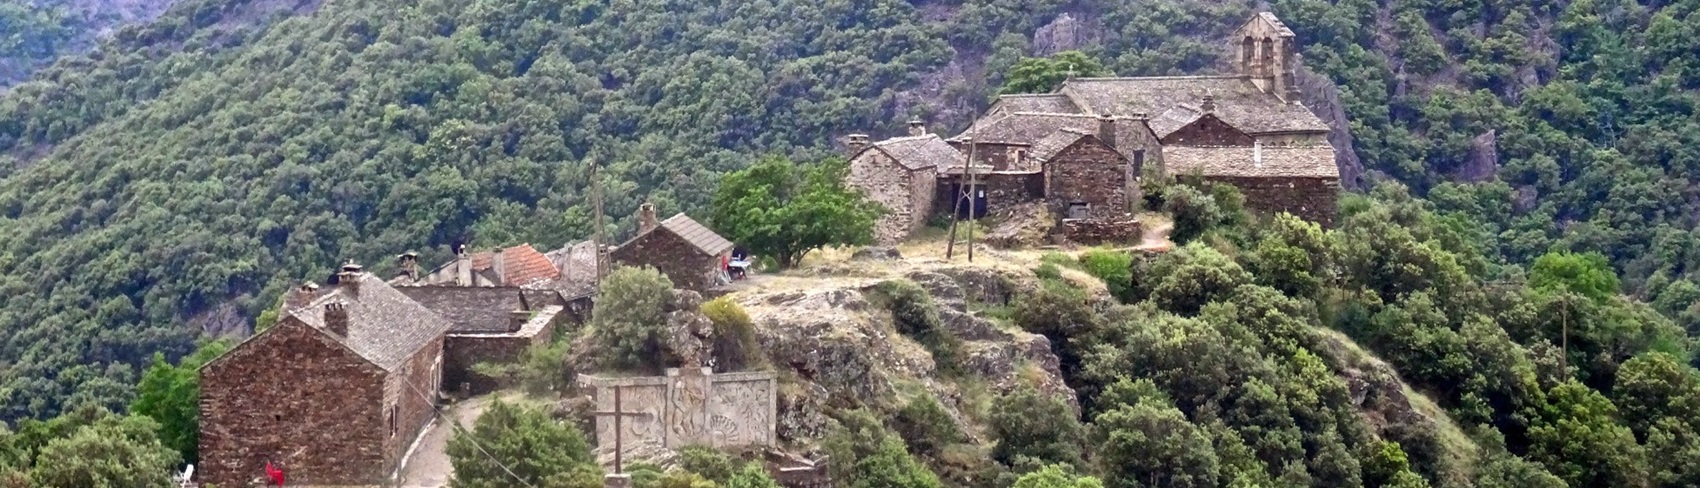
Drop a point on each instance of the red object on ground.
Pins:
(274, 473)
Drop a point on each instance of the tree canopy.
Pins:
(780, 209)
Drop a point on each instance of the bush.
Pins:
(915, 316)
(735, 344)
(753, 475)
(1114, 267)
(709, 462)
(1193, 211)
(1048, 271)
(926, 427)
(866, 455)
(541, 369)
(533, 447)
(1056, 476)
(630, 318)
(1035, 427)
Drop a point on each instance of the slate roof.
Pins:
(1174, 119)
(920, 152)
(1046, 103)
(477, 309)
(384, 326)
(1238, 102)
(1307, 161)
(1050, 145)
(524, 265)
(705, 240)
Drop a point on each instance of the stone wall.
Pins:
(1001, 157)
(1094, 232)
(1004, 190)
(411, 397)
(887, 183)
(297, 399)
(679, 260)
(1090, 172)
(1312, 199)
(689, 407)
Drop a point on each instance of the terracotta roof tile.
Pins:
(384, 326)
(523, 265)
(1238, 102)
(1307, 161)
(920, 152)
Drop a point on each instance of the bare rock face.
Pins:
(1483, 161)
(1526, 198)
(1064, 33)
(1323, 98)
(1021, 226)
(993, 352)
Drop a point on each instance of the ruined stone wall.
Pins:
(1102, 231)
(1004, 190)
(1001, 157)
(1312, 199)
(1088, 171)
(887, 183)
(297, 399)
(679, 260)
(463, 351)
(413, 389)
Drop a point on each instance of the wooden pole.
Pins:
(973, 198)
(956, 208)
(596, 203)
(619, 448)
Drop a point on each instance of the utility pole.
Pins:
(596, 204)
(973, 198)
(961, 194)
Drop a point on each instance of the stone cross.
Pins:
(619, 448)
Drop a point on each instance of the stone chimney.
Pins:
(1107, 130)
(646, 218)
(499, 264)
(916, 127)
(857, 143)
(517, 319)
(1209, 104)
(301, 296)
(409, 262)
(463, 266)
(349, 277)
(336, 318)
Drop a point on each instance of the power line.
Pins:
(459, 430)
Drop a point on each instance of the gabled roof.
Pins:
(1046, 103)
(1267, 161)
(385, 327)
(1274, 22)
(919, 152)
(704, 240)
(1053, 144)
(522, 265)
(478, 309)
(1238, 102)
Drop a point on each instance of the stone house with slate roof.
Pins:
(902, 175)
(1248, 129)
(687, 252)
(519, 265)
(334, 393)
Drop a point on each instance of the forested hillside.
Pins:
(35, 32)
(176, 180)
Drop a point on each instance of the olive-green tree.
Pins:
(780, 209)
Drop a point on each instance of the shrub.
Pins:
(630, 318)
(1035, 427)
(926, 427)
(753, 475)
(735, 344)
(866, 455)
(1048, 271)
(709, 462)
(915, 316)
(1193, 211)
(533, 447)
(1114, 267)
(541, 369)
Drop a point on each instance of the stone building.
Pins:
(334, 393)
(902, 175)
(519, 265)
(494, 325)
(687, 252)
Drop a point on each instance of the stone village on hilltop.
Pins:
(339, 391)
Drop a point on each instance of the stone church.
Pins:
(1082, 148)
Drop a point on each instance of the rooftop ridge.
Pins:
(921, 137)
(1160, 78)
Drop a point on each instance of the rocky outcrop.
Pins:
(1064, 33)
(1483, 160)
(837, 349)
(1323, 98)
(1021, 226)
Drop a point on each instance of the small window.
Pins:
(1138, 158)
(1079, 210)
(392, 420)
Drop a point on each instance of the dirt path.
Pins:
(1155, 238)
(429, 465)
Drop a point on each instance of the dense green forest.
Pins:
(172, 182)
